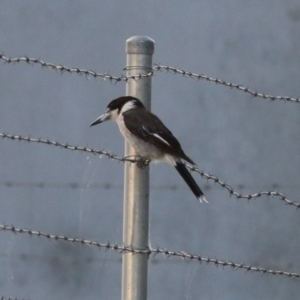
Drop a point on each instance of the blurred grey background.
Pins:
(251, 143)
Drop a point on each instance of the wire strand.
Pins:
(151, 251)
(231, 85)
(123, 159)
(63, 69)
(156, 67)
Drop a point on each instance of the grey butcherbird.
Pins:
(149, 136)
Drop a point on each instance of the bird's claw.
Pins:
(143, 162)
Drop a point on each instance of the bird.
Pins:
(148, 135)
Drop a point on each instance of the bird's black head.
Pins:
(129, 101)
(116, 106)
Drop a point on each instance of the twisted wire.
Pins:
(240, 87)
(242, 196)
(62, 69)
(108, 185)
(151, 251)
(123, 159)
(66, 146)
(156, 67)
(4, 298)
(79, 185)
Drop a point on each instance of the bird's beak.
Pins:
(102, 118)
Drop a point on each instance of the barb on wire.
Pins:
(159, 67)
(242, 196)
(123, 159)
(103, 185)
(63, 69)
(150, 251)
(80, 185)
(4, 298)
(65, 146)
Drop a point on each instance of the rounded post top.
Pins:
(140, 45)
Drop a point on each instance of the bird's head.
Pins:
(118, 106)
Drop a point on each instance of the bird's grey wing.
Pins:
(151, 129)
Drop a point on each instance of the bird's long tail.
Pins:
(188, 178)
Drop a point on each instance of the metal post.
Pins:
(139, 51)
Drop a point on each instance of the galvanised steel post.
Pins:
(139, 51)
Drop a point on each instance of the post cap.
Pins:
(140, 45)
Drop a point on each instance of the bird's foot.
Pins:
(143, 162)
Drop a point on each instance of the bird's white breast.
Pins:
(145, 149)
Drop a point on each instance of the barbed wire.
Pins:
(66, 146)
(4, 298)
(79, 185)
(109, 185)
(156, 67)
(123, 159)
(150, 251)
(224, 83)
(63, 69)
(242, 196)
